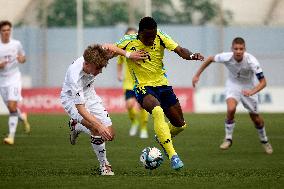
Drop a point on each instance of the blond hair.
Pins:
(95, 54)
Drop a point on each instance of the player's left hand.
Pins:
(139, 55)
(247, 93)
(195, 80)
(196, 56)
(21, 58)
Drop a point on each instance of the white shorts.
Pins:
(250, 103)
(95, 108)
(11, 93)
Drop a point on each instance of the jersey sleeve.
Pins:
(254, 65)
(123, 42)
(223, 57)
(20, 49)
(168, 42)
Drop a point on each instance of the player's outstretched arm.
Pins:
(119, 72)
(206, 63)
(136, 55)
(96, 124)
(261, 85)
(188, 55)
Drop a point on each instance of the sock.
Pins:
(262, 134)
(80, 128)
(13, 122)
(162, 131)
(132, 113)
(98, 145)
(175, 130)
(229, 129)
(143, 119)
(20, 116)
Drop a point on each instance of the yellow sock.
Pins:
(176, 130)
(132, 113)
(144, 115)
(162, 131)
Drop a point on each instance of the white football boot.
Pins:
(73, 133)
(143, 133)
(9, 140)
(267, 148)
(227, 143)
(106, 170)
(133, 130)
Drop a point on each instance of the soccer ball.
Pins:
(151, 158)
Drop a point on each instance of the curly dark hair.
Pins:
(147, 23)
(95, 54)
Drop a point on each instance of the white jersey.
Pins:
(243, 72)
(78, 86)
(10, 74)
(242, 76)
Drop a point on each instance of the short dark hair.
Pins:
(147, 23)
(239, 40)
(95, 54)
(5, 23)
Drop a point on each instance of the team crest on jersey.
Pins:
(133, 48)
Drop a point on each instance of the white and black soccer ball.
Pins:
(151, 158)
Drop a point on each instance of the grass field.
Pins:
(45, 159)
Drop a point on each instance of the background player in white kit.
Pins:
(241, 86)
(84, 106)
(11, 54)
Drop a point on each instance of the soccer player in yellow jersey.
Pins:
(137, 115)
(151, 84)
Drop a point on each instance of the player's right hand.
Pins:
(104, 132)
(196, 56)
(195, 80)
(139, 55)
(3, 64)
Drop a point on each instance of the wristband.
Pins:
(127, 54)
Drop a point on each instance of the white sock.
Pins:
(20, 114)
(98, 145)
(13, 122)
(229, 129)
(80, 128)
(262, 134)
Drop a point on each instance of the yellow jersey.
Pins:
(128, 82)
(151, 71)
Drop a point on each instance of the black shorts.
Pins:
(164, 94)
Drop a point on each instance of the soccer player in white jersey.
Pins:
(11, 54)
(84, 106)
(241, 86)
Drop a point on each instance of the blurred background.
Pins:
(56, 32)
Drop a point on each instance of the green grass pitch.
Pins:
(45, 159)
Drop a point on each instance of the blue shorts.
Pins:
(129, 94)
(164, 94)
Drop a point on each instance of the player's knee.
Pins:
(111, 131)
(258, 122)
(12, 109)
(231, 111)
(179, 122)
